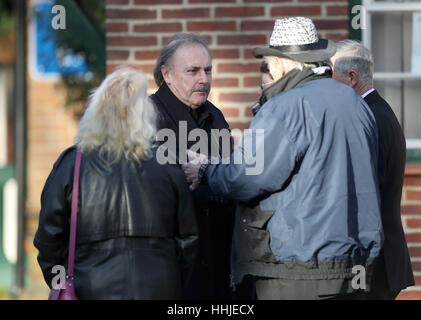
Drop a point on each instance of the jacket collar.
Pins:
(291, 80)
(367, 92)
(372, 96)
(179, 111)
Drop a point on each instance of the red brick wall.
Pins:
(138, 29)
(411, 219)
(50, 130)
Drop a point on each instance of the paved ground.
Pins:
(41, 293)
(32, 293)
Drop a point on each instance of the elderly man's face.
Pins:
(189, 75)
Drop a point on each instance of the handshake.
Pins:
(191, 169)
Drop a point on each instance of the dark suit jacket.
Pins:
(391, 166)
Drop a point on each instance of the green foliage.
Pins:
(7, 19)
(85, 35)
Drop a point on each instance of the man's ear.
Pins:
(354, 79)
(166, 74)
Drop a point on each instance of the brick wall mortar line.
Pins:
(412, 230)
(136, 48)
(339, 31)
(267, 11)
(336, 16)
(407, 201)
(413, 288)
(239, 105)
(410, 216)
(403, 197)
(323, 8)
(132, 58)
(404, 223)
(266, 15)
(122, 20)
(412, 188)
(237, 90)
(322, 2)
(118, 33)
(117, 6)
(170, 6)
(177, 6)
(414, 245)
(160, 38)
(151, 34)
(131, 26)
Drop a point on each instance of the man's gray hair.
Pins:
(354, 55)
(168, 51)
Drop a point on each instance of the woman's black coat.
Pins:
(136, 231)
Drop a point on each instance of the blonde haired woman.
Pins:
(136, 230)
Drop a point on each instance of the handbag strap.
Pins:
(73, 219)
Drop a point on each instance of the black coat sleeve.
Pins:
(52, 236)
(187, 232)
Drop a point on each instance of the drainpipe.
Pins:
(20, 141)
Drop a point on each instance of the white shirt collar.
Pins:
(365, 94)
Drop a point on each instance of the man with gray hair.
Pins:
(183, 73)
(353, 65)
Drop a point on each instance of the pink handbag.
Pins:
(68, 292)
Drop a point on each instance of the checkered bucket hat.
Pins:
(296, 38)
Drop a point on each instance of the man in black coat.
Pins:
(353, 66)
(183, 73)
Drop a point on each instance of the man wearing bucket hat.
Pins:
(309, 225)
(292, 49)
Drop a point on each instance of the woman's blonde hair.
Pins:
(119, 118)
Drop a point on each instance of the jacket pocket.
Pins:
(255, 217)
(252, 238)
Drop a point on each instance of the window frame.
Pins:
(364, 35)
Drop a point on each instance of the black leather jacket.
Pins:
(136, 231)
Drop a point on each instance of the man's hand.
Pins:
(191, 168)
